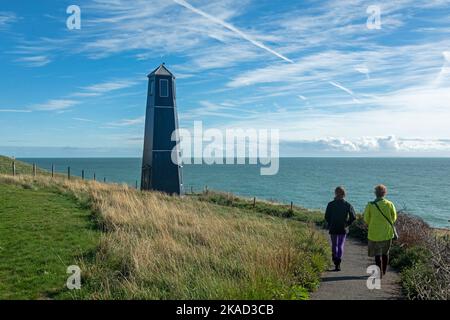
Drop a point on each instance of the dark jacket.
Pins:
(339, 215)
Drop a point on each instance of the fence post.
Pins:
(82, 174)
(94, 176)
(206, 189)
(68, 173)
(136, 184)
(192, 190)
(292, 205)
(34, 170)
(14, 168)
(53, 170)
(104, 179)
(254, 202)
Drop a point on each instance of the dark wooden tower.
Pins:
(159, 172)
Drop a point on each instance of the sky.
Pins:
(321, 72)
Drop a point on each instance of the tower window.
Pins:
(152, 83)
(163, 88)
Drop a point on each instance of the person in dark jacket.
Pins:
(339, 216)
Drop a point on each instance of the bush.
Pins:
(415, 279)
(402, 258)
(413, 230)
(358, 229)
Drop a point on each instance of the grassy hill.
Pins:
(21, 167)
(147, 245)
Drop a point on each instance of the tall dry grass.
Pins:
(155, 246)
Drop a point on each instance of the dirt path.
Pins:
(350, 282)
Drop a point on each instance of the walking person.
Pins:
(339, 216)
(380, 216)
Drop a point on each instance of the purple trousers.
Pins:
(337, 245)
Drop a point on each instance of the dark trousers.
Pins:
(337, 246)
(382, 261)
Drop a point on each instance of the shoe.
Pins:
(337, 265)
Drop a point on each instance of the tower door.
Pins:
(146, 178)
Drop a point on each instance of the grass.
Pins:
(21, 167)
(153, 246)
(41, 234)
(262, 206)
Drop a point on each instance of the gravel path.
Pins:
(351, 282)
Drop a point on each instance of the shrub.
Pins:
(417, 280)
(413, 230)
(358, 229)
(402, 258)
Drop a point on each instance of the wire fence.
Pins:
(68, 173)
(82, 174)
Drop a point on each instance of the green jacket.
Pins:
(379, 228)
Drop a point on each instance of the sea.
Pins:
(421, 186)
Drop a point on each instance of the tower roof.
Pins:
(161, 71)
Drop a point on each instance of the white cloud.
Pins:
(55, 105)
(387, 145)
(83, 120)
(403, 88)
(15, 110)
(35, 61)
(232, 29)
(444, 74)
(220, 56)
(364, 70)
(222, 110)
(110, 86)
(116, 27)
(127, 122)
(104, 87)
(6, 19)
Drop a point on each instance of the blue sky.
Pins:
(311, 69)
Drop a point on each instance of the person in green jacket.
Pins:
(380, 216)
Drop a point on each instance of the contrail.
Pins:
(15, 110)
(350, 92)
(231, 28)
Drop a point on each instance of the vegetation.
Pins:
(263, 206)
(41, 234)
(421, 255)
(21, 167)
(153, 246)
